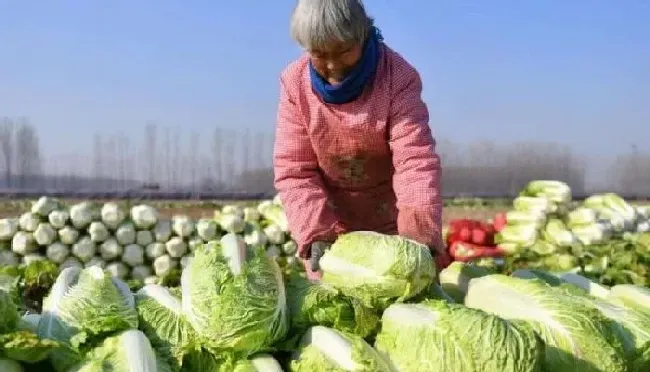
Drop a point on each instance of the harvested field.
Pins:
(198, 209)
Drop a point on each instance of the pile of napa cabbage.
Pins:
(379, 307)
(230, 308)
(19, 342)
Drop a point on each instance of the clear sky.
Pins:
(572, 71)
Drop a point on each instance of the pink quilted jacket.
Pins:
(366, 165)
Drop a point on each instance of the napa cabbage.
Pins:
(634, 296)
(161, 319)
(376, 268)
(258, 363)
(18, 341)
(455, 278)
(234, 297)
(8, 365)
(577, 336)
(325, 349)
(314, 303)
(129, 351)
(438, 336)
(84, 307)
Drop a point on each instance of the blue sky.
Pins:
(576, 72)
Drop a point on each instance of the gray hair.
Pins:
(315, 23)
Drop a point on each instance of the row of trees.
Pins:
(169, 158)
(20, 150)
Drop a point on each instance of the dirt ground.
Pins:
(449, 213)
(198, 211)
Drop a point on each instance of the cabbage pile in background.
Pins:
(135, 244)
(604, 237)
(544, 219)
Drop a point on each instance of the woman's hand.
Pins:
(442, 260)
(312, 265)
(311, 275)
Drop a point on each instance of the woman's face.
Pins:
(335, 61)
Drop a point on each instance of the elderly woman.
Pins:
(353, 148)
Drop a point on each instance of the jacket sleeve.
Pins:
(298, 180)
(416, 181)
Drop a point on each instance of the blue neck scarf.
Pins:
(352, 86)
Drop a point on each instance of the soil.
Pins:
(198, 211)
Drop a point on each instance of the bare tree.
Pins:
(632, 172)
(110, 156)
(243, 158)
(28, 155)
(245, 152)
(229, 159)
(98, 158)
(75, 172)
(121, 160)
(7, 130)
(194, 151)
(176, 157)
(260, 158)
(74, 183)
(167, 158)
(151, 152)
(54, 172)
(130, 161)
(217, 150)
(483, 168)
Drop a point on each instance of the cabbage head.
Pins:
(433, 292)
(376, 268)
(577, 336)
(26, 346)
(129, 351)
(325, 349)
(161, 319)
(144, 216)
(112, 215)
(544, 276)
(82, 309)
(201, 360)
(16, 343)
(312, 303)
(630, 295)
(631, 327)
(275, 214)
(455, 278)
(8, 365)
(258, 363)
(45, 205)
(29, 322)
(234, 297)
(438, 336)
(9, 317)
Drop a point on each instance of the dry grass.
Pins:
(449, 213)
(199, 210)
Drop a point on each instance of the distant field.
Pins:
(480, 213)
(470, 208)
(475, 208)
